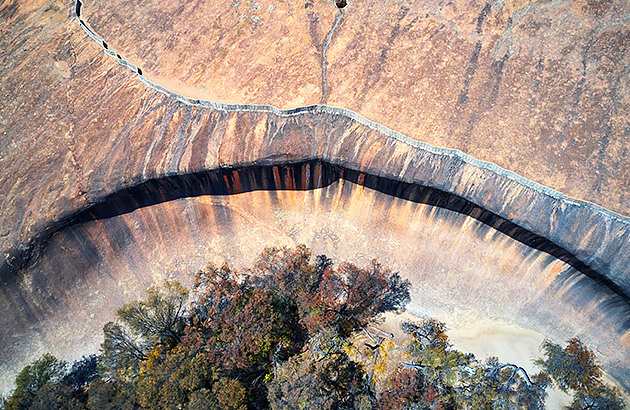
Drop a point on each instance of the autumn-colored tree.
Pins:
(239, 325)
(404, 388)
(285, 271)
(348, 296)
(293, 333)
(319, 305)
(369, 292)
(571, 368)
(371, 348)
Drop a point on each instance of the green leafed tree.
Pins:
(493, 385)
(225, 394)
(140, 325)
(601, 398)
(320, 379)
(46, 369)
(58, 396)
(109, 394)
(167, 379)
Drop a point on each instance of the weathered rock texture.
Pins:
(455, 262)
(540, 88)
(77, 127)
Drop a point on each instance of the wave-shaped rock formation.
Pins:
(110, 184)
(537, 87)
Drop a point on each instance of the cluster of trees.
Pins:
(293, 333)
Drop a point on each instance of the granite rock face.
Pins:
(540, 88)
(457, 264)
(78, 127)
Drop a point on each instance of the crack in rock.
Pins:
(341, 15)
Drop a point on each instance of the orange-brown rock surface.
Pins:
(538, 88)
(457, 265)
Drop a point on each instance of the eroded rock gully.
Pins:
(169, 182)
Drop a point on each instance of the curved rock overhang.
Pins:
(308, 175)
(593, 235)
(111, 244)
(335, 143)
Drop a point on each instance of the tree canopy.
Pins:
(294, 332)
